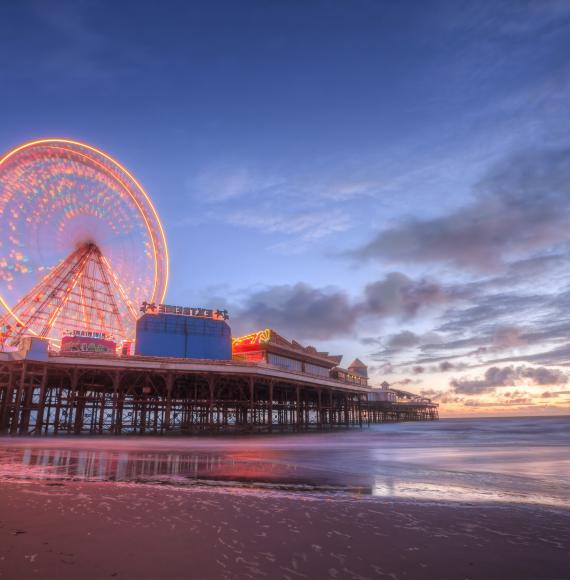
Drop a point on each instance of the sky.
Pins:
(378, 179)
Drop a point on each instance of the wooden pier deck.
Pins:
(141, 395)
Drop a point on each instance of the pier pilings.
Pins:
(42, 398)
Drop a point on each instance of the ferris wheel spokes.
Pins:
(78, 294)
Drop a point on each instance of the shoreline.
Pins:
(70, 529)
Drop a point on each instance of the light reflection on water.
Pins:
(506, 460)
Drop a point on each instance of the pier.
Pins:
(86, 394)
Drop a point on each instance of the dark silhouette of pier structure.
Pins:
(84, 394)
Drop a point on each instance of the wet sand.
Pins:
(75, 530)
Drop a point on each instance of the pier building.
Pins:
(179, 332)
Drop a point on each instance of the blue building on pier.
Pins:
(172, 331)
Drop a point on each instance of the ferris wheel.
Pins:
(81, 244)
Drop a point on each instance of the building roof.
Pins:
(357, 364)
(358, 368)
(270, 340)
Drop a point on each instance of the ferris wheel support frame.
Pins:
(69, 286)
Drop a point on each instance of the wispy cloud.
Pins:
(307, 225)
(523, 207)
(229, 180)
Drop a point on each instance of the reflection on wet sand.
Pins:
(176, 468)
(510, 461)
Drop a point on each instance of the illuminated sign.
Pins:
(88, 334)
(86, 347)
(255, 338)
(151, 308)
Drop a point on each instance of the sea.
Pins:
(523, 460)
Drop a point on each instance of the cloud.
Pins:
(218, 186)
(491, 308)
(508, 337)
(553, 394)
(397, 294)
(440, 396)
(227, 180)
(307, 225)
(303, 311)
(300, 311)
(508, 376)
(371, 340)
(403, 382)
(268, 203)
(487, 329)
(385, 368)
(307, 203)
(534, 266)
(402, 340)
(543, 375)
(559, 356)
(522, 206)
(505, 403)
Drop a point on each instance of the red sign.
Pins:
(252, 340)
(87, 344)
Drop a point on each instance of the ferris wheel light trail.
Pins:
(67, 203)
(35, 293)
(124, 296)
(65, 301)
(71, 284)
(142, 213)
(122, 168)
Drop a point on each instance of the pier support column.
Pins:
(79, 398)
(115, 403)
(211, 395)
(7, 403)
(270, 406)
(27, 399)
(250, 421)
(15, 425)
(41, 403)
(168, 408)
(71, 400)
(120, 406)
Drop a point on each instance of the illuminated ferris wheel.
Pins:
(81, 244)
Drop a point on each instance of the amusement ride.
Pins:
(81, 245)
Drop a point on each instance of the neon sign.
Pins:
(216, 314)
(253, 339)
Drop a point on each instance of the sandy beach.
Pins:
(93, 530)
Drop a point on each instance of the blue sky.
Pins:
(386, 180)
